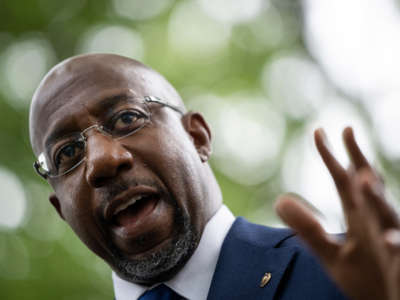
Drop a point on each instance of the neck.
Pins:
(213, 193)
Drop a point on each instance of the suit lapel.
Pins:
(247, 253)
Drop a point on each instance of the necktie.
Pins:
(161, 292)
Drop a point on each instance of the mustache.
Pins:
(113, 189)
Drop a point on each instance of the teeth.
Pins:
(128, 203)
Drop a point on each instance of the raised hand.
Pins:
(366, 263)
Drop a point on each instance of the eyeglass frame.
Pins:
(40, 163)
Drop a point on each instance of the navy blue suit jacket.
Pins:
(249, 251)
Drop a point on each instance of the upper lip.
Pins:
(125, 199)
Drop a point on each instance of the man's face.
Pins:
(138, 202)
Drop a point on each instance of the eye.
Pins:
(128, 121)
(69, 155)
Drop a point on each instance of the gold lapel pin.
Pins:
(265, 279)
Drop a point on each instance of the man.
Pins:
(129, 170)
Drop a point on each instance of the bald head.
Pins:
(87, 77)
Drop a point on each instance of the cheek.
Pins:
(75, 204)
(74, 196)
(79, 215)
(176, 162)
(173, 156)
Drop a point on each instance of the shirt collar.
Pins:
(199, 269)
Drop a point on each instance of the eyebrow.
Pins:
(99, 108)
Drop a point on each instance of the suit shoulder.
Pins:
(260, 235)
(269, 236)
(250, 250)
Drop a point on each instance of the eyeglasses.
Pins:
(72, 152)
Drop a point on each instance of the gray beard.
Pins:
(164, 263)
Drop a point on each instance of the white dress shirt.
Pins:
(194, 280)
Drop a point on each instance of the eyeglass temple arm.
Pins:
(154, 99)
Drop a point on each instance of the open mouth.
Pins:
(139, 219)
(134, 210)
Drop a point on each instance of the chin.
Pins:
(165, 261)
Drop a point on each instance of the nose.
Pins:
(105, 159)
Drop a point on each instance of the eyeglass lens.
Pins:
(120, 124)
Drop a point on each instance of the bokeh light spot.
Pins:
(357, 44)
(112, 39)
(248, 134)
(294, 84)
(194, 35)
(24, 63)
(13, 201)
(233, 11)
(139, 9)
(264, 32)
(385, 115)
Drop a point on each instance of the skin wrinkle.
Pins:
(166, 155)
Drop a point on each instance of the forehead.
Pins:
(71, 89)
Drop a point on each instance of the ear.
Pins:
(56, 203)
(200, 132)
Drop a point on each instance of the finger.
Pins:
(300, 218)
(307, 204)
(392, 241)
(380, 209)
(359, 161)
(356, 156)
(338, 173)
